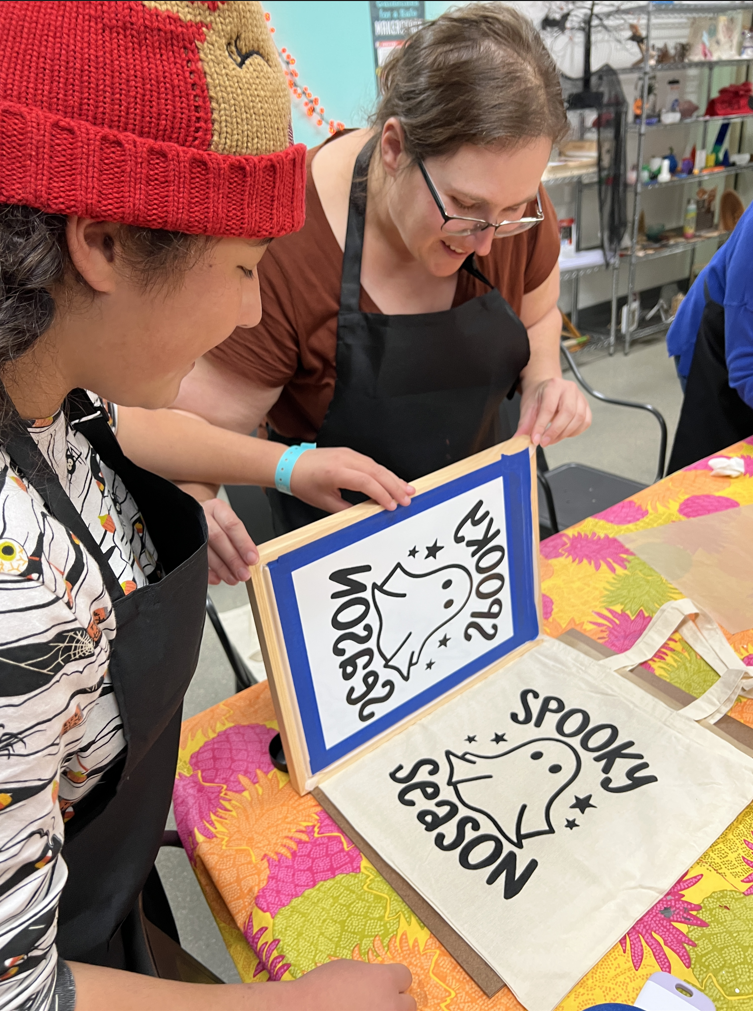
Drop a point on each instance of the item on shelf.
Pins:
(673, 95)
(676, 303)
(715, 38)
(645, 174)
(579, 151)
(734, 100)
(731, 209)
(632, 175)
(567, 237)
(652, 116)
(654, 166)
(691, 213)
(688, 109)
(672, 159)
(706, 201)
(741, 158)
(669, 118)
(640, 41)
(665, 175)
(680, 52)
(687, 166)
(700, 159)
(719, 144)
(710, 160)
(746, 44)
(635, 310)
(655, 232)
(642, 226)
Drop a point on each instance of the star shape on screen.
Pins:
(433, 550)
(413, 552)
(583, 803)
(571, 823)
(470, 739)
(430, 664)
(499, 738)
(444, 640)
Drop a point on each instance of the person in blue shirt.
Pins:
(711, 340)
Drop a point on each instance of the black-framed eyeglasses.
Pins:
(457, 225)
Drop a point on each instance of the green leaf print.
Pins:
(684, 668)
(722, 961)
(638, 587)
(330, 919)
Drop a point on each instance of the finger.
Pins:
(399, 490)
(527, 417)
(220, 570)
(357, 480)
(406, 1003)
(236, 533)
(213, 579)
(225, 550)
(572, 408)
(547, 410)
(401, 976)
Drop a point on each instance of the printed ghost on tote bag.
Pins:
(547, 808)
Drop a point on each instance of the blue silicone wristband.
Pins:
(285, 466)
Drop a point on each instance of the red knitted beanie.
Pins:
(171, 115)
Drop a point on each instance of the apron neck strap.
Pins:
(350, 285)
(27, 457)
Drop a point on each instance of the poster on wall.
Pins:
(391, 24)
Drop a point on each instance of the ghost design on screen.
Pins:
(516, 788)
(412, 606)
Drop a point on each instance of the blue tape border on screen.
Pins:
(516, 472)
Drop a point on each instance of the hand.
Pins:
(346, 986)
(231, 550)
(319, 474)
(552, 410)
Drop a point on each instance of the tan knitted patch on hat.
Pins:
(247, 88)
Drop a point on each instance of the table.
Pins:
(290, 891)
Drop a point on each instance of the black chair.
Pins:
(573, 491)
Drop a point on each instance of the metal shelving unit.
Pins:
(651, 12)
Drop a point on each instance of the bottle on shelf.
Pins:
(691, 213)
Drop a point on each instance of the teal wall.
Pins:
(332, 45)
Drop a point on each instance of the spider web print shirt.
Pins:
(60, 729)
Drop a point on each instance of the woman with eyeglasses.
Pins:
(423, 287)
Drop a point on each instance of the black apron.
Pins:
(113, 839)
(414, 392)
(713, 415)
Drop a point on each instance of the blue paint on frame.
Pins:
(516, 473)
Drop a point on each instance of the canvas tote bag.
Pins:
(548, 807)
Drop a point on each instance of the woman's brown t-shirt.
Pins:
(295, 343)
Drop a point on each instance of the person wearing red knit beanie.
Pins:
(145, 164)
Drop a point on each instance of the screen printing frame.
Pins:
(275, 610)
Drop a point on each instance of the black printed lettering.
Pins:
(562, 722)
(430, 763)
(360, 602)
(527, 714)
(473, 626)
(349, 667)
(363, 715)
(345, 578)
(439, 838)
(508, 865)
(549, 704)
(370, 681)
(634, 781)
(471, 517)
(495, 609)
(612, 735)
(485, 861)
(432, 820)
(337, 648)
(482, 542)
(427, 789)
(499, 582)
(495, 549)
(618, 751)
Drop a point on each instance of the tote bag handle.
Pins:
(703, 634)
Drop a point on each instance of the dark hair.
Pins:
(480, 75)
(34, 263)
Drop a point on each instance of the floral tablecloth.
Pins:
(290, 891)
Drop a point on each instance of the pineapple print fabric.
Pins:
(290, 891)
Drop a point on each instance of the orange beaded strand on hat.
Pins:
(314, 110)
